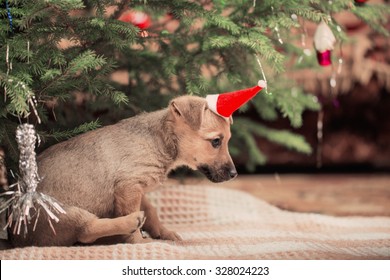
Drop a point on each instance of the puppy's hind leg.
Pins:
(77, 225)
(96, 228)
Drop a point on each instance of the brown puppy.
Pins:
(101, 176)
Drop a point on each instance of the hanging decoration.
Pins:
(262, 71)
(324, 41)
(24, 199)
(320, 135)
(276, 28)
(137, 18)
(360, 2)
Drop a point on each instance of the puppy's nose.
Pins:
(232, 173)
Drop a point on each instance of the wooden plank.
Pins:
(333, 194)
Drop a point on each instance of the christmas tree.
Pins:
(72, 66)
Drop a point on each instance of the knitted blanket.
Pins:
(217, 223)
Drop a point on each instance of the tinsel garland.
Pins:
(23, 201)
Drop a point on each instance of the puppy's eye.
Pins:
(216, 142)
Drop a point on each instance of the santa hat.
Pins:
(226, 103)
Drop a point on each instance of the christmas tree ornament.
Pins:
(360, 2)
(278, 34)
(137, 18)
(340, 61)
(276, 28)
(324, 41)
(262, 71)
(294, 17)
(226, 103)
(23, 201)
(320, 126)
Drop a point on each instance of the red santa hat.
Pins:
(226, 103)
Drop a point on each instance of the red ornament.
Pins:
(324, 58)
(360, 1)
(226, 103)
(137, 18)
(324, 41)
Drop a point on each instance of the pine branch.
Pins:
(18, 92)
(376, 16)
(256, 157)
(282, 137)
(60, 135)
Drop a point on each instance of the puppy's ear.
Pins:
(189, 109)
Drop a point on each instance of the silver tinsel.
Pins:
(22, 199)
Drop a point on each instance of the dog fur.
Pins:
(101, 177)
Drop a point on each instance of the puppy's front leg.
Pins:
(153, 225)
(128, 200)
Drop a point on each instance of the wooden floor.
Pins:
(333, 194)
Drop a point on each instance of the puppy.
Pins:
(101, 177)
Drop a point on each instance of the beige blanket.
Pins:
(217, 223)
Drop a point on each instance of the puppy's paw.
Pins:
(141, 220)
(137, 238)
(135, 221)
(166, 234)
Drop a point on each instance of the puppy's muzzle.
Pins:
(220, 174)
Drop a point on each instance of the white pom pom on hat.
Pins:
(225, 104)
